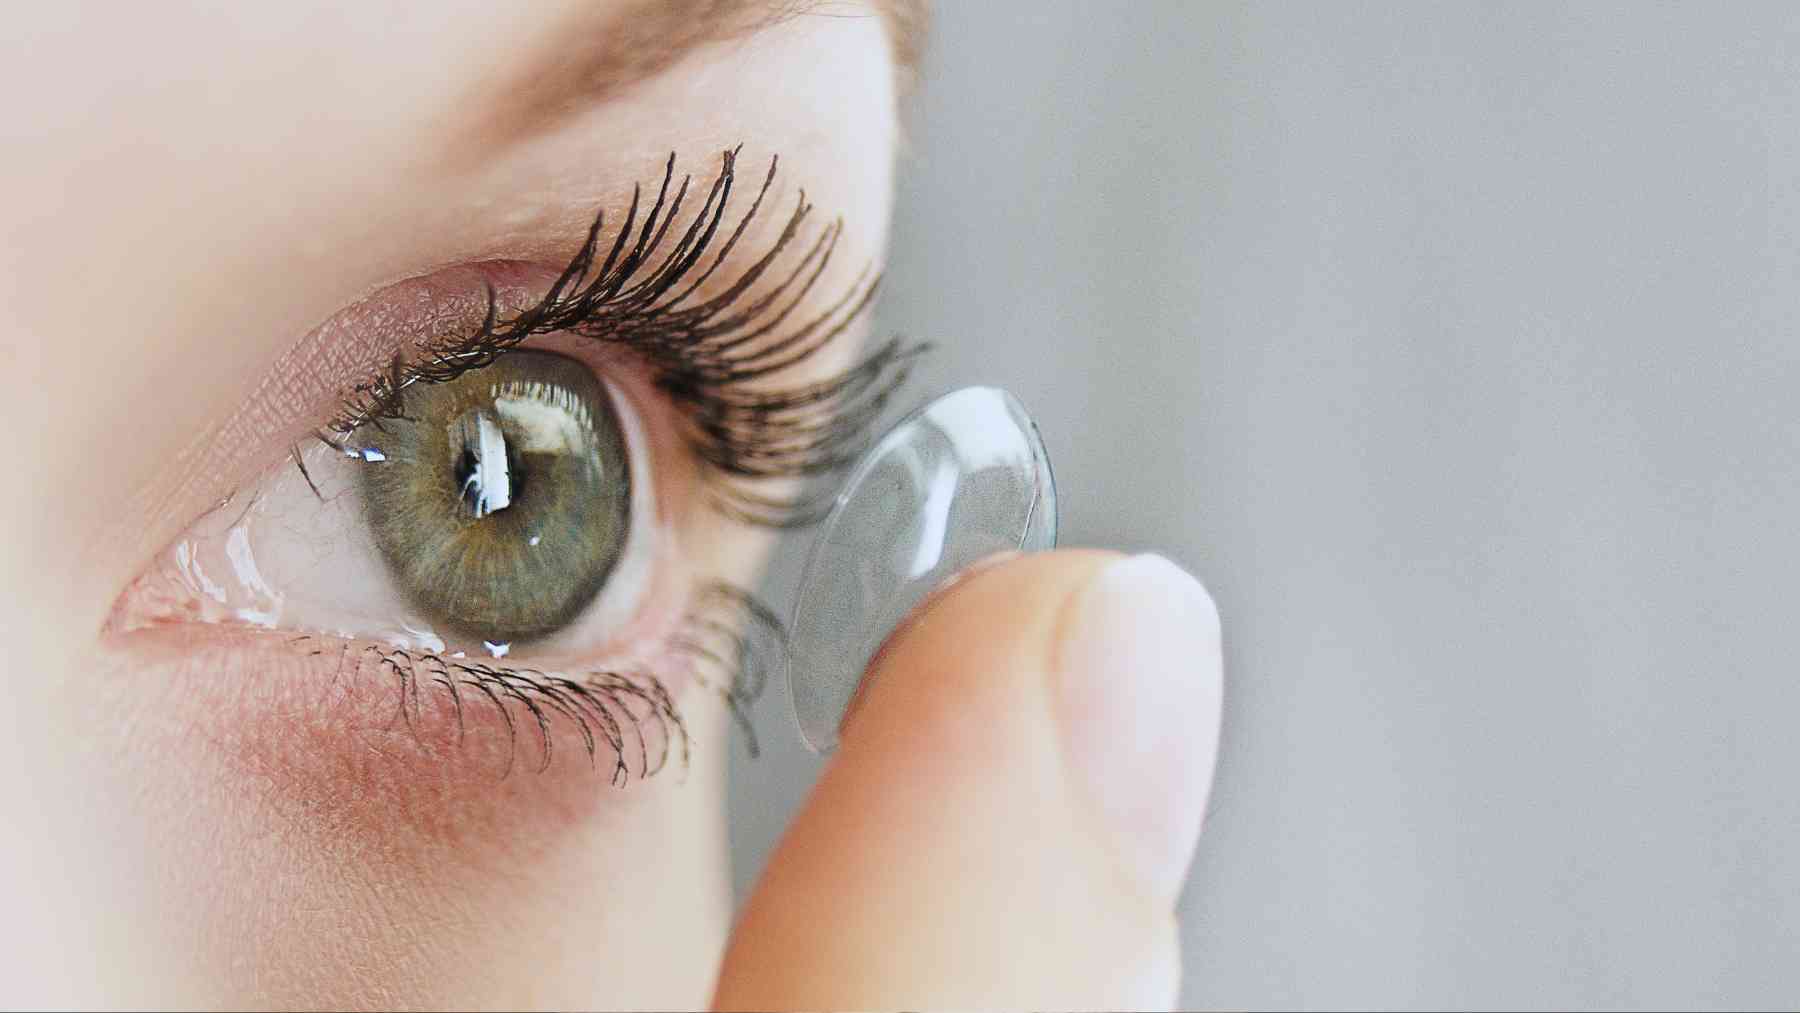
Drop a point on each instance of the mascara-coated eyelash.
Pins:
(720, 359)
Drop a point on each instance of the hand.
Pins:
(1013, 805)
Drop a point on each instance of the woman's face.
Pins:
(223, 220)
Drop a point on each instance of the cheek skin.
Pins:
(349, 744)
(387, 857)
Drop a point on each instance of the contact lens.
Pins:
(963, 478)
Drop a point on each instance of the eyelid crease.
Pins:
(721, 362)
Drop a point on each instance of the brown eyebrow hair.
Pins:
(622, 45)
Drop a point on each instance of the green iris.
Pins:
(502, 499)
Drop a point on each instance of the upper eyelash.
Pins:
(719, 360)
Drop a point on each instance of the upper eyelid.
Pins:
(609, 294)
(821, 416)
(725, 357)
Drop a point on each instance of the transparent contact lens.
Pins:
(962, 479)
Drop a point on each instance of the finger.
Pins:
(1013, 805)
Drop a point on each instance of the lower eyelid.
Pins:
(337, 741)
(324, 721)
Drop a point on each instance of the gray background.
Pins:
(1454, 347)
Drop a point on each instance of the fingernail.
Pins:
(1139, 688)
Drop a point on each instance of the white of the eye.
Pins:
(187, 563)
(491, 479)
(243, 561)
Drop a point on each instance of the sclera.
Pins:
(961, 479)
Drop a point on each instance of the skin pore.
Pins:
(187, 215)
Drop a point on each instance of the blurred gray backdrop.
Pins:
(1455, 348)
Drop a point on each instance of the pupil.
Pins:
(515, 466)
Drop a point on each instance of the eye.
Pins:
(510, 508)
(500, 500)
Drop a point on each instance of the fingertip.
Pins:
(995, 618)
(1138, 693)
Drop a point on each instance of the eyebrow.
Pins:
(619, 45)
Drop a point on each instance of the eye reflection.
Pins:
(500, 501)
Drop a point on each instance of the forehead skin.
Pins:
(190, 190)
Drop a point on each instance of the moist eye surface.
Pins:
(500, 500)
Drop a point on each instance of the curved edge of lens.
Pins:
(1039, 533)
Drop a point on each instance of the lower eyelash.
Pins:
(726, 636)
(738, 639)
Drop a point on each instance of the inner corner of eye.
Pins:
(489, 512)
